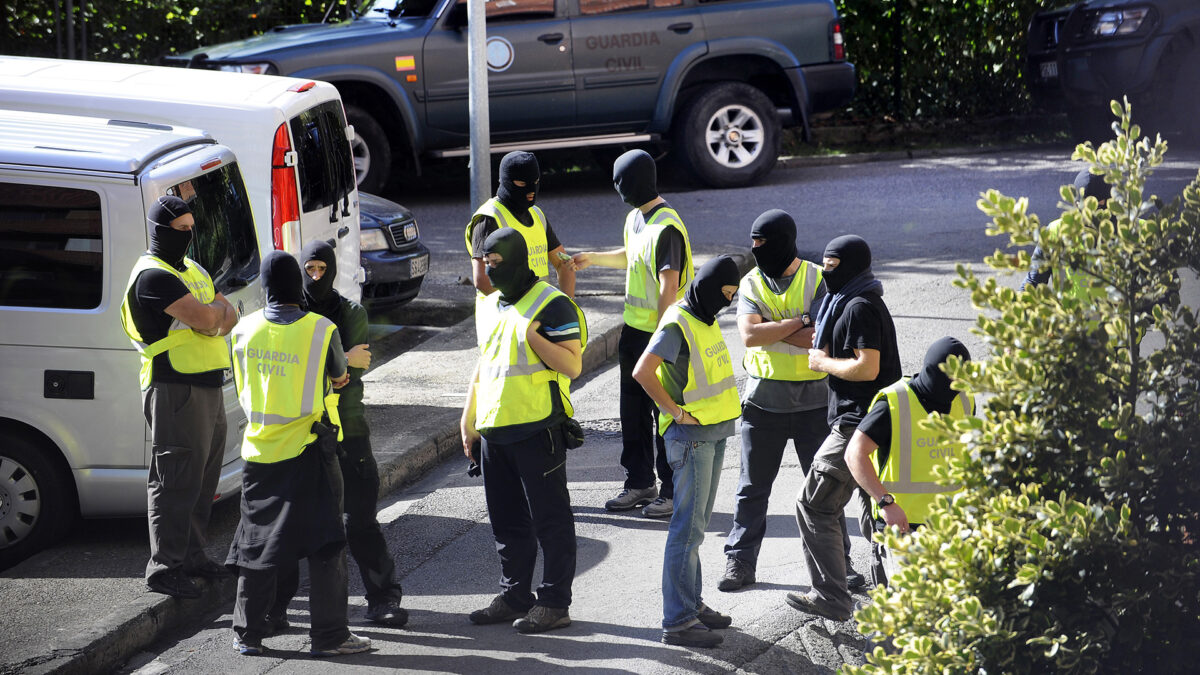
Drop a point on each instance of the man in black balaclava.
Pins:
(855, 344)
(514, 206)
(657, 259)
(916, 450)
(181, 394)
(783, 399)
(291, 483)
(360, 473)
(1087, 184)
(688, 344)
(518, 415)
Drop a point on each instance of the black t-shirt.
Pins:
(865, 323)
(486, 225)
(877, 425)
(560, 323)
(152, 292)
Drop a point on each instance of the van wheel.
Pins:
(37, 505)
(728, 135)
(1090, 123)
(372, 151)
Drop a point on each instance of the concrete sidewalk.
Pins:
(71, 610)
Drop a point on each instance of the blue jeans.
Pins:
(696, 467)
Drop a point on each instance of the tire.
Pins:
(372, 151)
(37, 504)
(1186, 106)
(728, 135)
(1091, 123)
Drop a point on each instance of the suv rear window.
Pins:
(224, 242)
(325, 165)
(51, 247)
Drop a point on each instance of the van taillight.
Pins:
(839, 46)
(285, 204)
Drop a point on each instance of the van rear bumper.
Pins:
(121, 493)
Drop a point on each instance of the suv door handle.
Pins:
(551, 38)
(680, 27)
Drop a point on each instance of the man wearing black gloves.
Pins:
(657, 259)
(531, 340)
(515, 206)
(360, 474)
(856, 345)
(175, 317)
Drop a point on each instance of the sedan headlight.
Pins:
(1119, 21)
(371, 240)
(255, 68)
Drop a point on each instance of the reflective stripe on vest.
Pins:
(711, 392)
(279, 370)
(908, 474)
(641, 275)
(187, 351)
(535, 234)
(513, 380)
(780, 360)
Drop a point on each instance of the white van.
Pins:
(73, 198)
(290, 136)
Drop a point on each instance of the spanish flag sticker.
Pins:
(404, 63)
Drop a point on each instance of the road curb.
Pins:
(795, 162)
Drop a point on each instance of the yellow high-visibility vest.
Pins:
(711, 393)
(280, 375)
(641, 275)
(1079, 287)
(513, 380)
(780, 360)
(908, 474)
(534, 234)
(188, 351)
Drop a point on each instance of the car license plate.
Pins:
(417, 267)
(1050, 70)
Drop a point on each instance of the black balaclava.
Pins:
(635, 177)
(776, 254)
(704, 296)
(855, 258)
(516, 166)
(320, 295)
(166, 243)
(512, 277)
(1088, 184)
(282, 279)
(931, 385)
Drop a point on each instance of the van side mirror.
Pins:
(457, 18)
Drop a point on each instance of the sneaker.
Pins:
(808, 605)
(497, 612)
(209, 569)
(738, 573)
(661, 507)
(389, 613)
(541, 619)
(353, 645)
(713, 619)
(695, 635)
(175, 584)
(631, 498)
(247, 648)
(274, 625)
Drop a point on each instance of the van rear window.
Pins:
(326, 166)
(51, 247)
(224, 243)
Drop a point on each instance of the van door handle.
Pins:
(681, 28)
(343, 231)
(551, 38)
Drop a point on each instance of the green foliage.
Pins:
(1073, 546)
(937, 59)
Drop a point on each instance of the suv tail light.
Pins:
(839, 45)
(285, 203)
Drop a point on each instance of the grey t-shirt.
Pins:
(668, 343)
(780, 396)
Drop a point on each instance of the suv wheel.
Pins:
(35, 501)
(372, 151)
(728, 135)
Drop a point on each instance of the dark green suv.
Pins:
(716, 80)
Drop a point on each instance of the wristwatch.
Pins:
(806, 320)
(886, 500)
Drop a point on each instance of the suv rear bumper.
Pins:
(830, 85)
(391, 277)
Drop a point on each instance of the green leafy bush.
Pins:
(1073, 547)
